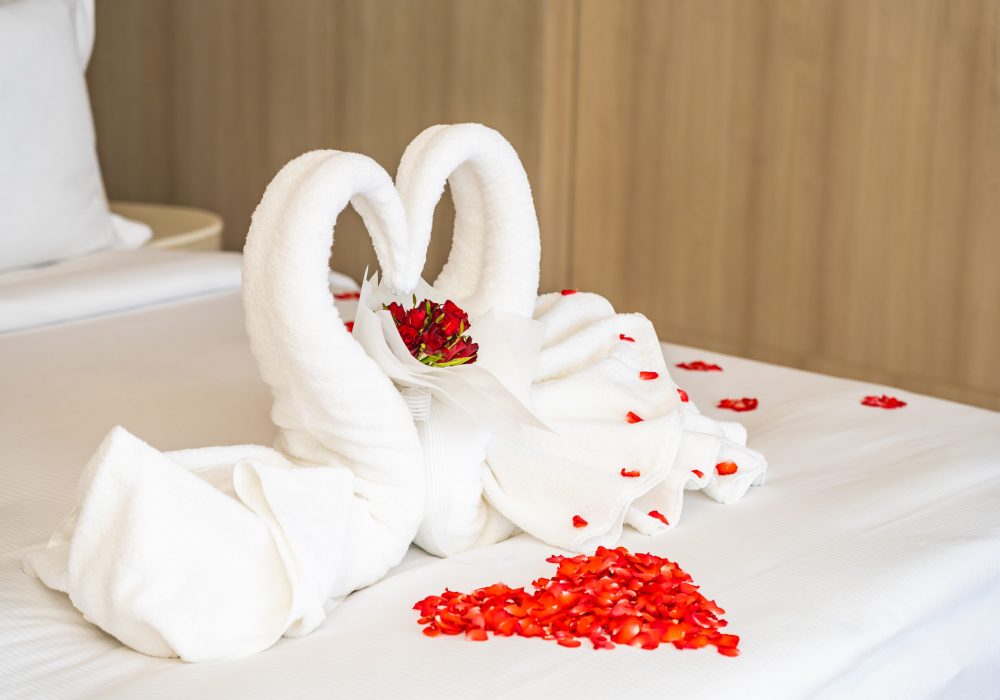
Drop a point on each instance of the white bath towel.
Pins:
(628, 441)
(493, 266)
(566, 488)
(216, 552)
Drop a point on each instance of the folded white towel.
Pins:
(493, 266)
(216, 552)
(585, 382)
(628, 444)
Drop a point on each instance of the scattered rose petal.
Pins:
(349, 325)
(699, 366)
(683, 394)
(626, 338)
(342, 296)
(739, 405)
(659, 516)
(698, 473)
(726, 468)
(883, 401)
(631, 417)
(579, 522)
(567, 292)
(612, 597)
(629, 473)
(647, 376)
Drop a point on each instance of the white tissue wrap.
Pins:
(457, 409)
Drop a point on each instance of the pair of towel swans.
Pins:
(217, 552)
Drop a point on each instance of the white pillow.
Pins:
(52, 201)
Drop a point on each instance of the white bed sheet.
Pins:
(869, 566)
(110, 281)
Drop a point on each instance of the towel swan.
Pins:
(577, 486)
(217, 552)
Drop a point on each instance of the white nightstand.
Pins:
(176, 228)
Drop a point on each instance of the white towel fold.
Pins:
(217, 552)
(493, 266)
(567, 487)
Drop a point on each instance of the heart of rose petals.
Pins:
(612, 597)
(739, 405)
(883, 401)
(699, 366)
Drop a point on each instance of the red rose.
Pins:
(398, 314)
(434, 333)
(416, 317)
(410, 336)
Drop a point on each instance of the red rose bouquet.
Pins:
(435, 333)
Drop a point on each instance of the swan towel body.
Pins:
(217, 552)
(564, 486)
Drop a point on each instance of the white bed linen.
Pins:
(110, 281)
(868, 567)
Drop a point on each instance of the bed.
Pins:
(869, 566)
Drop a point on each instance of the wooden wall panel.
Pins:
(201, 101)
(808, 182)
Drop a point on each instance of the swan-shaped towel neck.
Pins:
(333, 406)
(495, 256)
(217, 552)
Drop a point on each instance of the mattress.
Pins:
(869, 566)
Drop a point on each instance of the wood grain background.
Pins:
(809, 182)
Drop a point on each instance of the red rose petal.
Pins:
(647, 376)
(738, 405)
(683, 394)
(476, 634)
(726, 468)
(698, 473)
(579, 522)
(699, 366)
(883, 401)
(659, 516)
(347, 295)
(631, 417)
(567, 292)
(349, 325)
(627, 339)
(612, 597)
(629, 473)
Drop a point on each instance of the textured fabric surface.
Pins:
(869, 567)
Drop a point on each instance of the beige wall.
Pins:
(810, 182)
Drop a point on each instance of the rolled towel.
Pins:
(576, 487)
(216, 552)
(493, 266)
